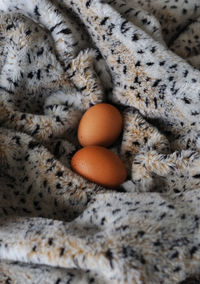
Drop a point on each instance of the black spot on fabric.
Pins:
(185, 73)
(136, 143)
(149, 63)
(136, 80)
(67, 67)
(103, 221)
(50, 160)
(88, 3)
(177, 269)
(58, 186)
(34, 248)
(183, 216)
(135, 37)
(140, 234)
(155, 84)
(176, 190)
(36, 130)
(83, 88)
(116, 211)
(29, 58)
(142, 259)
(33, 144)
(45, 183)
(137, 13)
(174, 255)
(9, 27)
(157, 243)
(128, 10)
(110, 28)
(28, 32)
(36, 12)
(72, 75)
(144, 21)
(162, 216)
(58, 281)
(194, 113)
(62, 251)
(30, 75)
(65, 31)
(137, 64)
(196, 176)
(153, 49)
(156, 268)
(40, 51)
(103, 22)
(16, 139)
(161, 63)
(26, 178)
(193, 250)
(109, 255)
(59, 120)
(99, 56)
(124, 252)
(147, 102)
(140, 51)
(23, 116)
(57, 149)
(173, 66)
(124, 69)
(38, 74)
(123, 228)
(187, 101)
(155, 102)
(53, 28)
(50, 241)
(123, 27)
(170, 206)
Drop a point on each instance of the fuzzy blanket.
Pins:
(58, 58)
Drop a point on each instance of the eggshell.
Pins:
(100, 125)
(99, 165)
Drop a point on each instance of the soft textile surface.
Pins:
(58, 58)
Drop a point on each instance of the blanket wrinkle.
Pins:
(58, 58)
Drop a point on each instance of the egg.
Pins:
(100, 125)
(99, 165)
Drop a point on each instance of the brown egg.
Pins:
(99, 165)
(100, 125)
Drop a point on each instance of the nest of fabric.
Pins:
(58, 58)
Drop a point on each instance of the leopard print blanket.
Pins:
(58, 58)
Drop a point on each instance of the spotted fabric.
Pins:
(58, 58)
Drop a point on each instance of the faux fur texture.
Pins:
(58, 58)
